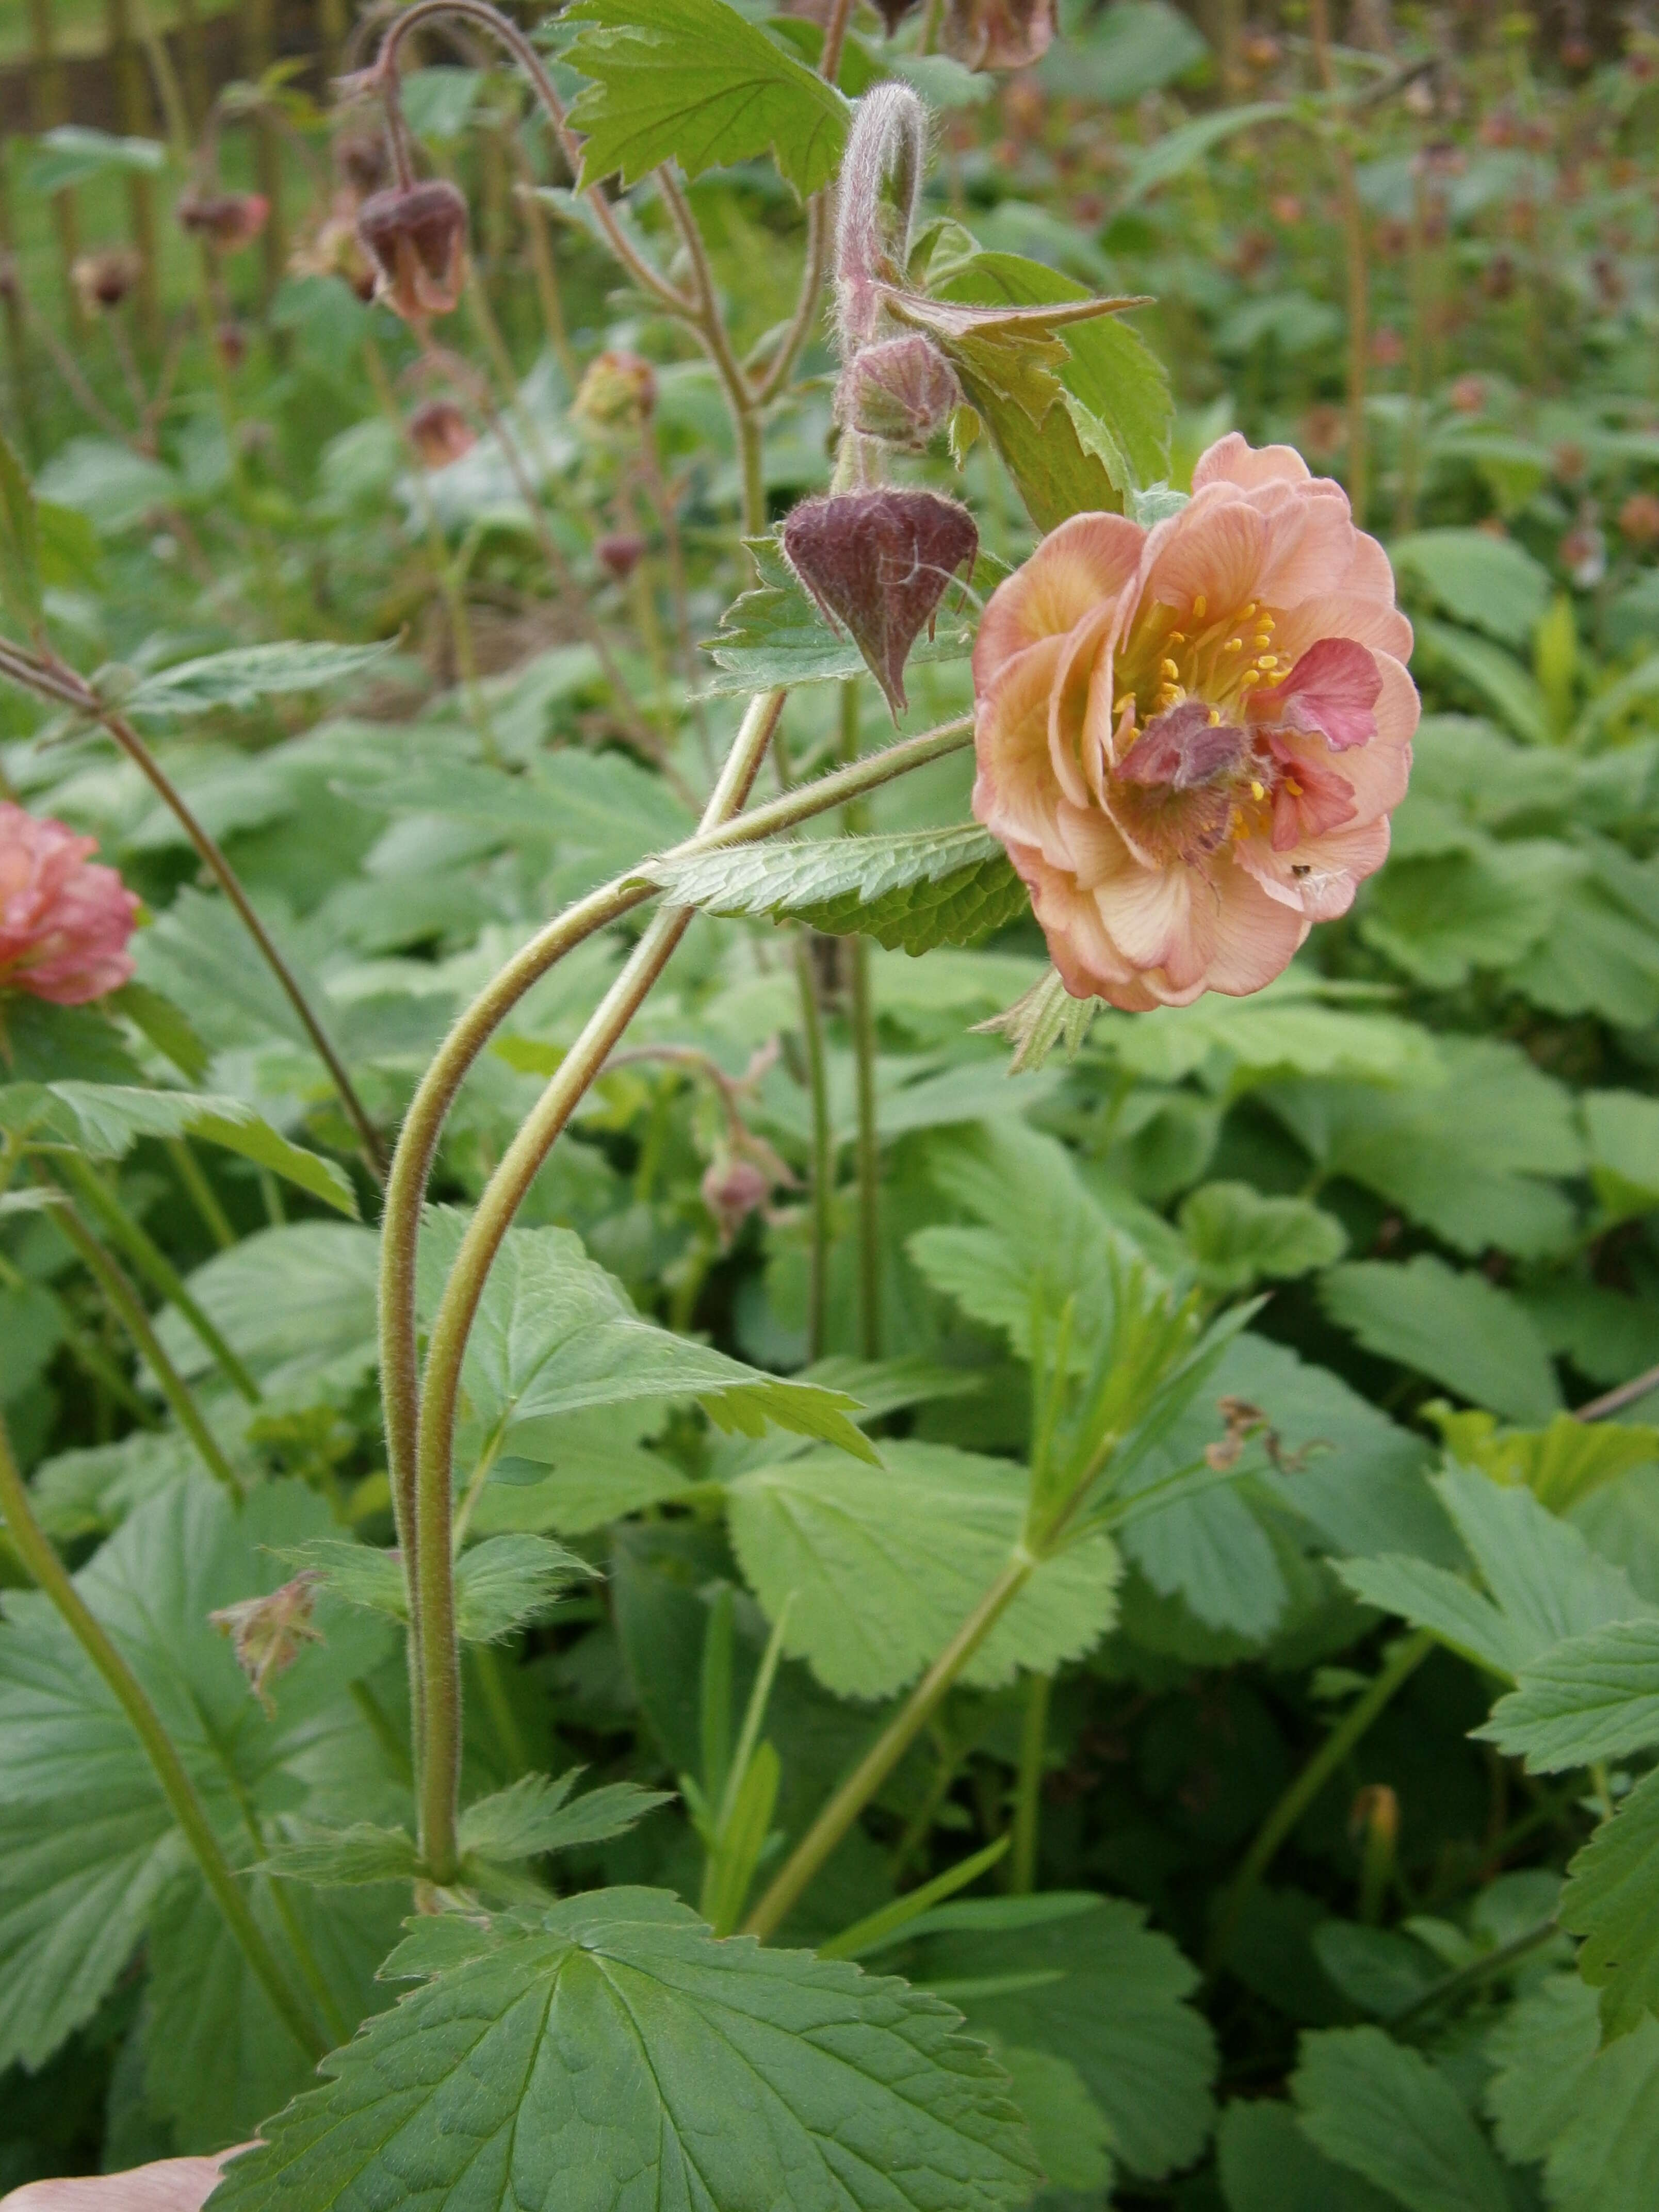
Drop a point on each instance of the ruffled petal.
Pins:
(1233, 459)
(1088, 559)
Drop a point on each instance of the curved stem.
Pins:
(418, 1144)
(507, 35)
(129, 1307)
(890, 1747)
(835, 39)
(710, 325)
(819, 229)
(434, 1585)
(1409, 1656)
(51, 679)
(30, 1542)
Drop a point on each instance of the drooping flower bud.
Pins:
(998, 34)
(733, 1187)
(103, 280)
(63, 923)
(439, 433)
(620, 553)
(878, 562)
(227, 220)
(901, 391)
(618, 392)
(416, 237)
(267, 1633)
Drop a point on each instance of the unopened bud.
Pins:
(620, 553)
(901, 391)
(439, 433)
(732, 1188)
(878, 562)
(618, 392)
(103, 280)
(267, 1633)
(416, 237)
(227, 220)
(998, 34)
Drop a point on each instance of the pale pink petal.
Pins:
(1159, 917)
(1088, 559)
(1069, 694)
(1308, 542)
(172, 2184)
(1333, 689)
(1336, 866)
(1233, 459)
(1214, 549)
(1255, 937)
(1015, 792)
(1399, 709)
(1372, 622)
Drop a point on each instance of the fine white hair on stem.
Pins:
(888, 140)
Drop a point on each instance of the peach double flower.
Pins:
(1190, 738)
(64, 923)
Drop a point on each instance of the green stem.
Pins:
(824, 1148)
(129, 1307)
(1479, 1970)
(29, 1541)
(883, 1755)
(153, 1263)
(1409, 1656)
(201, 1192)
(1028, 1793)
(486, 1666)
(434, 1583)
(856, 819)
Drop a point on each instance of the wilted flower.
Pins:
(733, 1187)
(267, 1633)
(901, 391)
(620, 553)
(63, 922)
(103, 280)
(878, 563)
(618, 392)
(439, 433)
(1190, 738)
(228, 221)
(415, 235)
(1639, 519)
(998, 34)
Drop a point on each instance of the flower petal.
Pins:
(1233, 459)
(1088, 559)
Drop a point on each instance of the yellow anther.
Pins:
(1293, 787)
(1127, 700)
(1201, 605)
(1247, 612)
(1215, 717)
(1262, 640)
(1168, 668)
(1269, 660)
(1257, 790)
(1234, 645)
(1178, 637)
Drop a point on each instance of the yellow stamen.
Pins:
(1234, 645)
(1247, 612)
(1257, 790)
(1127, 700)
(1293, 787)
(1267, 622)
(1168, 668)
(1269, 660)
(1215, 718)
(1262, 641)
(1200, 606)
(1178, 637)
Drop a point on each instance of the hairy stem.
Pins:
(883, 1755)
(1409, 1656)
(434, 1585)
(30, 1542)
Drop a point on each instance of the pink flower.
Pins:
(1190, 737)
(173, 2185)
(63, 923)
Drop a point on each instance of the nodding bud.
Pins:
(998, 34)
(439, 433)
(900, 392)
(620, 553)
(416, 237)
(103, 280)
(618, 392)
(226, 219)
(733, 1187)
(888, 139)
(878, 562)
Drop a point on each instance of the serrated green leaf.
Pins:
(1460, 1329)
(239, 679)
(1267, 2165)
(1593, 1697)
(1387, 2113)
(693, 81)
(1611, 1901)
(1108, 1995)
(296, 1303)
(1591, 2113)
(1494, 677)
(1442, 916)
(532, 1816)
(612, 2050)
(554, 1334)
(20, 546)
(884, 1564)
(1491, 583)
(1177, 150)
(351, 1857)
(1545, 1583)
(1237, 1237)
(1569, 1461)
(500, 1584)
(1623, 1128)
(1073, 2136)
(909, 892)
